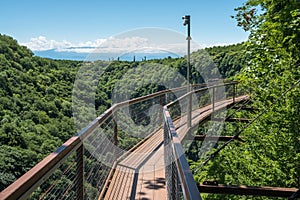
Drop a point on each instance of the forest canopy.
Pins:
(270, 153)
(36, 113)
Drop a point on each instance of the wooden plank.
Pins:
(160, 184)
(155, 184)
(128, 184)
(138, 149)
(116, 183)
(138, 157)
(141, 153)
(133, 161)
(149, 181)
(107, 181)
(119, 189)
(139, 184)
(112, 184)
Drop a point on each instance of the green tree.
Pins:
(271, 153)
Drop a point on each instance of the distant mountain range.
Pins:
(72, 55)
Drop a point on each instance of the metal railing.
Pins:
(82, 166)
(179, 179)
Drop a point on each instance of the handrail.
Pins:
(146, 97)
(200, 90)
(190, 190)
(27, 183)
(23, 186)
(173, 149)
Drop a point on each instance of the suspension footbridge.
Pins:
(98, 163)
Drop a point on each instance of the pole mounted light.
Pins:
(187, 22)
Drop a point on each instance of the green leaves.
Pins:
(270, 154)
(13, 163)
(33, 123)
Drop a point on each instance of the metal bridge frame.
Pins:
(179, 178)
(31, 180)
(182, 183)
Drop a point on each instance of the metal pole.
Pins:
(214, 99)
(234, 92)
(115, 136)
(161, 103)
(79, 173)
(187, 21)
(189, 86)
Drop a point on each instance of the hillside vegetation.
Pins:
(36, 99)
(270, 153)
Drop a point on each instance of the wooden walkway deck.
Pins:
(141, 175)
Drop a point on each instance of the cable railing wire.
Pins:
(62, 179)
(295, 195)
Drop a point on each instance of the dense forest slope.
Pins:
(270, 153)
(36, 99)
(35, 107)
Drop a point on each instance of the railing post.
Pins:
(167, 158)
(115, 133)
(161, 103)
(79, 173)
(213, 99)
(234, 91)
(189, 114)
(168, 97)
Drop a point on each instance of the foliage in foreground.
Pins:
(270, 155)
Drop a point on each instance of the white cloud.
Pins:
(111, 45)
(115, 45)
(42, 43)
(138, 40)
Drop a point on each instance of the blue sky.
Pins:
(77, 21)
